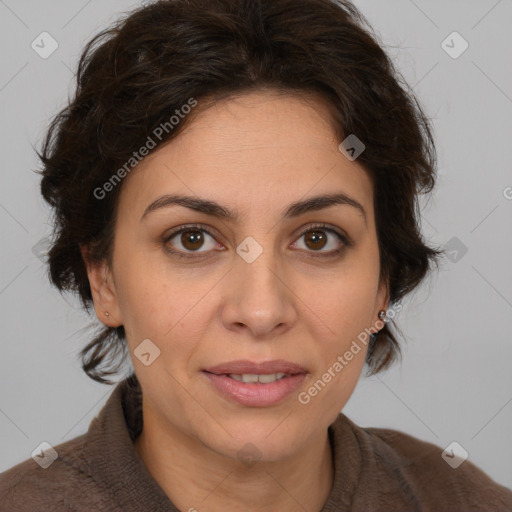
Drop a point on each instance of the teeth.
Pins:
(262, 379)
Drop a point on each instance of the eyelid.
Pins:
(343, 237)
(190, 227)
(346, 241)
(327, 227)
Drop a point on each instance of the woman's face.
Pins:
(265, 286)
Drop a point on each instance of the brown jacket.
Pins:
(375, 470)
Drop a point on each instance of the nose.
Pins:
(259, 296)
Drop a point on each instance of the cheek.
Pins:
(346, 308)
(344, 299)
(329, 390)
(167, 306)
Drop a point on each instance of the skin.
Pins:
(256, 153)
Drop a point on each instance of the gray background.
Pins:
(455, 382)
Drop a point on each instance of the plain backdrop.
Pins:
(454, 383)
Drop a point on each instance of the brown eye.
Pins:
(315, 240)
(195, 241)
(319, 237)
(190, 239)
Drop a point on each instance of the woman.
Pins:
(235, 190)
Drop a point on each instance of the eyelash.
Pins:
(180, 254)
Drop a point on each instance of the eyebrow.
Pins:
(215, 209)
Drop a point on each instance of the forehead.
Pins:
(254, 152)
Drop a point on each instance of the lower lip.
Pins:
(255, 394)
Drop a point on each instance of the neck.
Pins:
(194, 477)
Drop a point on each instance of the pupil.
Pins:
(316, 236)
(193, 238)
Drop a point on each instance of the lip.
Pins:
(256, 394)
(241, 366)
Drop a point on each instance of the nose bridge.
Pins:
(260, 299)
(257, 262)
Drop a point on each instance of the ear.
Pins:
(103, 290)
(382, 300)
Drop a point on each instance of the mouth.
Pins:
(263, 378)
(245, 367)
(256, 384)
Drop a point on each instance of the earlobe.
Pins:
(102, 290)
(383, 300)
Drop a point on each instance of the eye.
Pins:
(316, 239)
(188, 240)
(191, 238)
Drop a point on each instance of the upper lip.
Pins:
(244, 366)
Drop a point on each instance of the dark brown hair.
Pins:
(135, 74)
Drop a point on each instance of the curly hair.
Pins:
(133, 75)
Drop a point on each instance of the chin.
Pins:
(262, 440)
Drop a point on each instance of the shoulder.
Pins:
(47, 484)
(421, 471)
